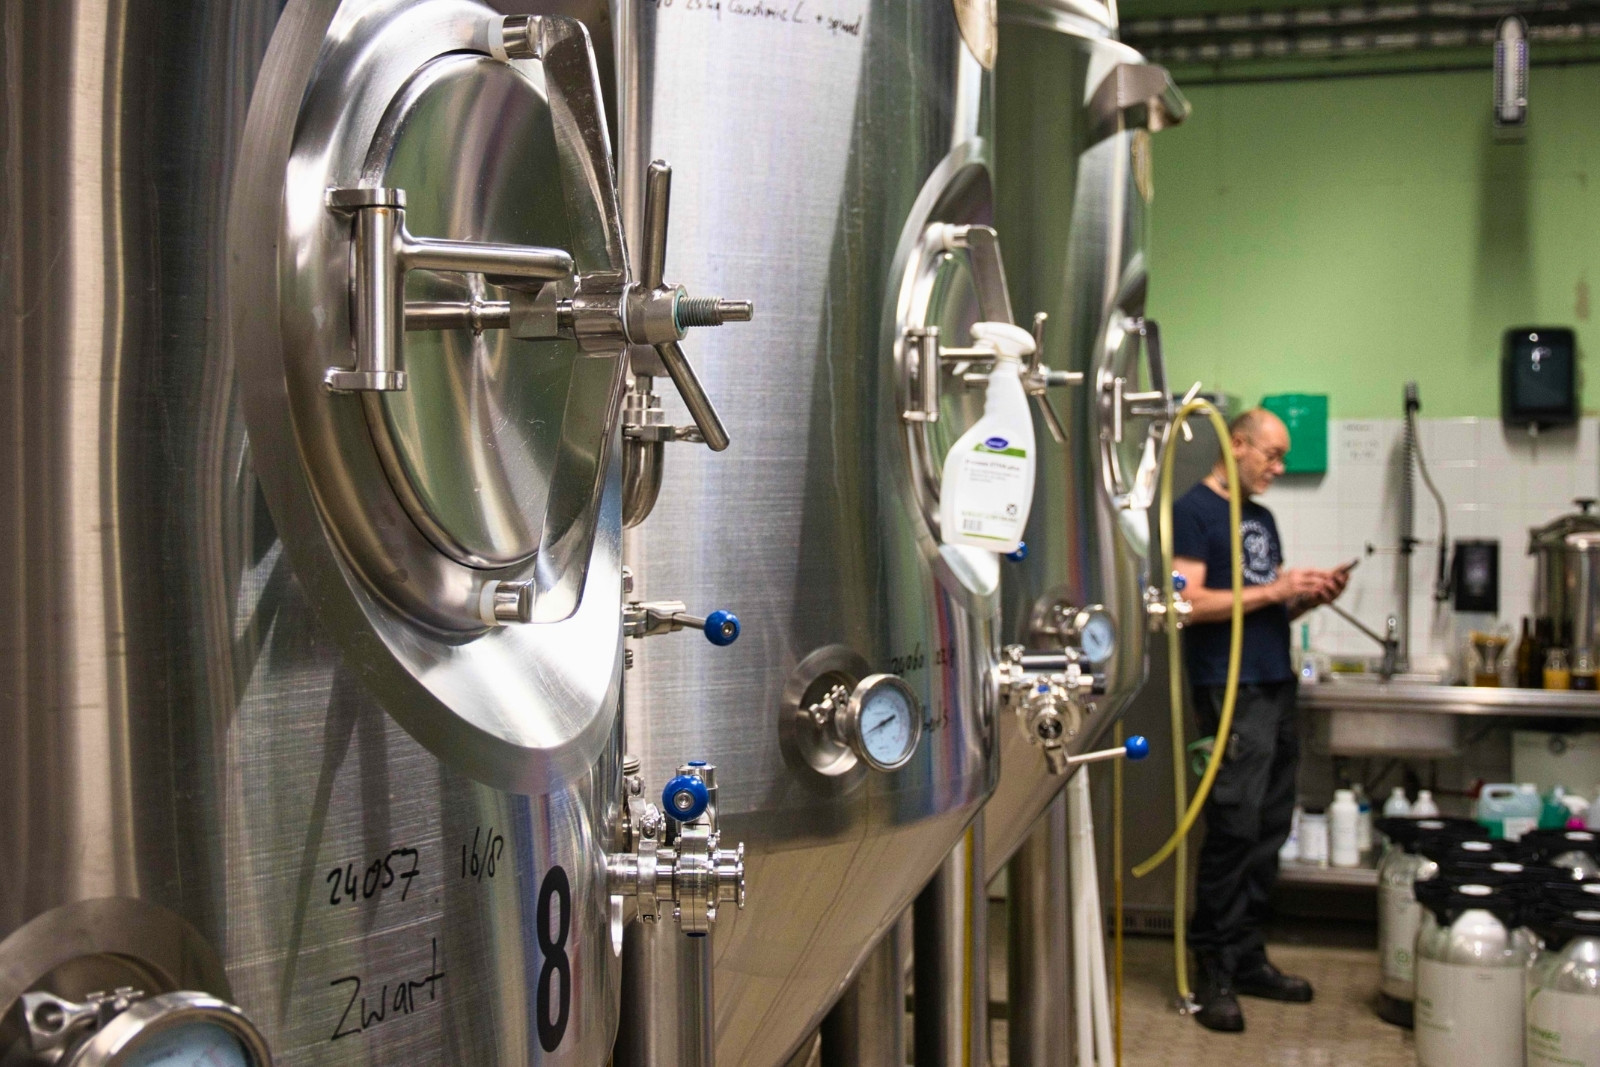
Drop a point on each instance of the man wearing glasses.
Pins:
(1251, 805)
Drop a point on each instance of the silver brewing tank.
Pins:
(831, 161)
(1075, 109)
(310, 685)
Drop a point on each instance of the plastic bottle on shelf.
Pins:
(1343, 815)
(1424, 808)
(1398, 806)
(1364, 821)
(1290, 852)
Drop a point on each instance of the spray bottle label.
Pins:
(1563, 1029)
(989, 491)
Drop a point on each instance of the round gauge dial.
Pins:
(884, 721)
(181, 1029)
(1097, 635)
(197, 1044)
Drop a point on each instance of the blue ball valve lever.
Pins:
(685, 798)
(1020, 554)
(1179, 582)
(1135, 748)
(722, 627)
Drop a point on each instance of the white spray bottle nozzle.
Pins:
(1003, 339)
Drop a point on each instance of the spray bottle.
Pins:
(987, 486)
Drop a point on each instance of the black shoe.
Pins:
(1266, 981)
(1219, 1008)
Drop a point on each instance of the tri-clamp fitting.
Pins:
(1049, 693)
(672, 853)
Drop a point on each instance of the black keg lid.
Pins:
(1544, 845)
(1564, 910)
(1527, 881)
(1407, 832)
(1455, 848)
(1450, 895)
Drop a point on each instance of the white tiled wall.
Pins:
(1496, 483)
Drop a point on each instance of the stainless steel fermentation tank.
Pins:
(833, 164)
(311, 670)
(1075, 109)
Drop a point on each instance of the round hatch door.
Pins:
(480, 443)
(427, 279)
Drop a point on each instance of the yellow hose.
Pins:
(1189, 810)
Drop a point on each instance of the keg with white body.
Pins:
(1471, 959)
(1563, 986)
(1399, 914)
(833, 168)
(312, 685)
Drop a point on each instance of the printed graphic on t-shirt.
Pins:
(1260, 568)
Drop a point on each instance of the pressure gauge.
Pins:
(882, 721)
(1094, 632)
(181, 1029)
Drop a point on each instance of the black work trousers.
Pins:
(1248, 816)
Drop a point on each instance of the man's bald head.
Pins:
(1259, 440)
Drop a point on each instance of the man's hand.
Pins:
(1299, 585)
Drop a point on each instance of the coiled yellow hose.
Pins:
(1185, 809)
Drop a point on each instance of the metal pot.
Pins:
(1556, 589)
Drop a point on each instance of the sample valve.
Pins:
(672, 853)
(648, 618)
(1155, 604)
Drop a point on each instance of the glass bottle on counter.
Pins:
(1530, 657)
(1583, 668)
(1557, 671)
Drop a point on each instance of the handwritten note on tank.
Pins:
(802, 15)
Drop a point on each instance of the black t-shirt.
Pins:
(1200, 531)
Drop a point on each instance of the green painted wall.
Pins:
(1343, 235)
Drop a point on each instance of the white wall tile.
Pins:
(1496, 484)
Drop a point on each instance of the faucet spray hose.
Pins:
(1188, 811)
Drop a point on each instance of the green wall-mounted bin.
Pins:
(1306, 415)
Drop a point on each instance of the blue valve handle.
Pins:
(1179, 582)
(722, 627)
(1020, 554)
(1135, 748)
(685, 798)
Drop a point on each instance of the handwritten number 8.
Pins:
(551, 1031)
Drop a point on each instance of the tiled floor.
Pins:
(1337, 1028)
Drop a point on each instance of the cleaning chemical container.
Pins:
(1343, 816)
(1471, 958)
(1399, 914)
(1314, 838)
(1424, 808)
(1508, 810)
(987, 485)
(1364, 823)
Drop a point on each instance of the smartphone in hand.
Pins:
(1348, 566)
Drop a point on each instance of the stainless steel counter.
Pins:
(1449, 699)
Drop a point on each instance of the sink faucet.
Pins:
(1389, 639)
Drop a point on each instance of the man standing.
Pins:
(1251, 805)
